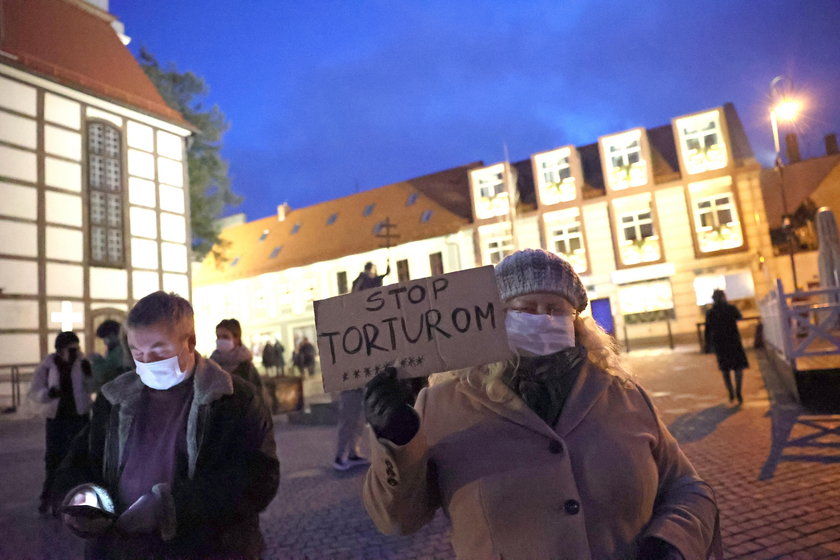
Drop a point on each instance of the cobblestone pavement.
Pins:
(775, 470)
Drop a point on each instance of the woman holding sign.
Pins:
(556, 453)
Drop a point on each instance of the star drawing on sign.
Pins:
(404, 362)
(344, 376)
(419, 360)
(367, 372)
(411, 361)
(356, 374)
(376, 369)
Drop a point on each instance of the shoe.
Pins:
(740, 399)
(340, 465)
(356, 460)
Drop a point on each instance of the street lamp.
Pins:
(785, 109)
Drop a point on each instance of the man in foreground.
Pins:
(178, 451)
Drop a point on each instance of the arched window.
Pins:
(105, 188)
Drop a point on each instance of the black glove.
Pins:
(54, 392)
(387, 409)
(653, 548)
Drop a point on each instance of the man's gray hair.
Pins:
(160, 307)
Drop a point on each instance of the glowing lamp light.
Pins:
(787, 109)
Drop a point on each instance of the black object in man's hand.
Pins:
(54, 392)
(387, 409)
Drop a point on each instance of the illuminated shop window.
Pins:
(565, 237)
(625, 165)
(637, 238)
(646, 302)
(105, 186)
(716, 222)
(554, 177)
(702, 142)
(491, 196)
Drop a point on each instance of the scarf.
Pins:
(230, 360)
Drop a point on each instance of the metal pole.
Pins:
(626, 340)
(670, 335)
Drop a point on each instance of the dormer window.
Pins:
(489, 191)
(625, 165)
(702, 142)
(554, 176)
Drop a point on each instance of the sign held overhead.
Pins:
(425, 326)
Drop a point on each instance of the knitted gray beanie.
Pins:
(536, 270)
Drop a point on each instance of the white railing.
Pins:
(802, 324)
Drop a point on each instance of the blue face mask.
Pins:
(539, 335)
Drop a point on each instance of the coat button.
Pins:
(392, 481)
(555, 447)
(572, 507)
(389, 464)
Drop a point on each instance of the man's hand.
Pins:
(143, 516)
(387, 409)
(85, 527)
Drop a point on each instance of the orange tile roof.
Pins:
(75, 45)
(351, 233)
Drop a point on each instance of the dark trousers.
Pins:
(60, 433)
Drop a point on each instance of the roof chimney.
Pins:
(831, 144)
(282, 211)
(792, 148)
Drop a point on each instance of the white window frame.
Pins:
(489, 186)
(698, 160)
(625, 174)
(637, 224)
(112, 229)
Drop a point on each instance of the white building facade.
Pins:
(93, 184)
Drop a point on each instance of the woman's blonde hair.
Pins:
(601, 348)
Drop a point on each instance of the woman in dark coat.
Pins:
(723, 337)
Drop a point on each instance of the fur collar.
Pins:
(210, 383)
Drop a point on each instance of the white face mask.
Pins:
(161, 375)
(224, 344)
(539, 335)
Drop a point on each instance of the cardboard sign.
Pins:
(425, 326)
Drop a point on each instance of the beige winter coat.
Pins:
(47, 376)
(514, 488)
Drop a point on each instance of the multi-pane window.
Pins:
(564, 233)
(637, 239)
(637, 226)
(489, 191)
(403, 274)
(716, 223)
(436, 263)
(703, 146)
(106, 194)
(625, 165)
(555, 179)
(498, 249)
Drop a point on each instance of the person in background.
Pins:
(555, 453)
(279, 353)
(116, 360)
(723, 337)
(232, 355)
(62, 384)
(179, 450)
(351, 420)
(306, 357)
(269, 358)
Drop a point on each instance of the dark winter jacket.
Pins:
(233, 471)
(723, 338)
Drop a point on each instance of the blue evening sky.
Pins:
(327, 97)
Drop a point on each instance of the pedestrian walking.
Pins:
(351, 420)
(116, 360)
(555, 453)
(230, 353)
(723, 337)
(182, 454)
(61, 386)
